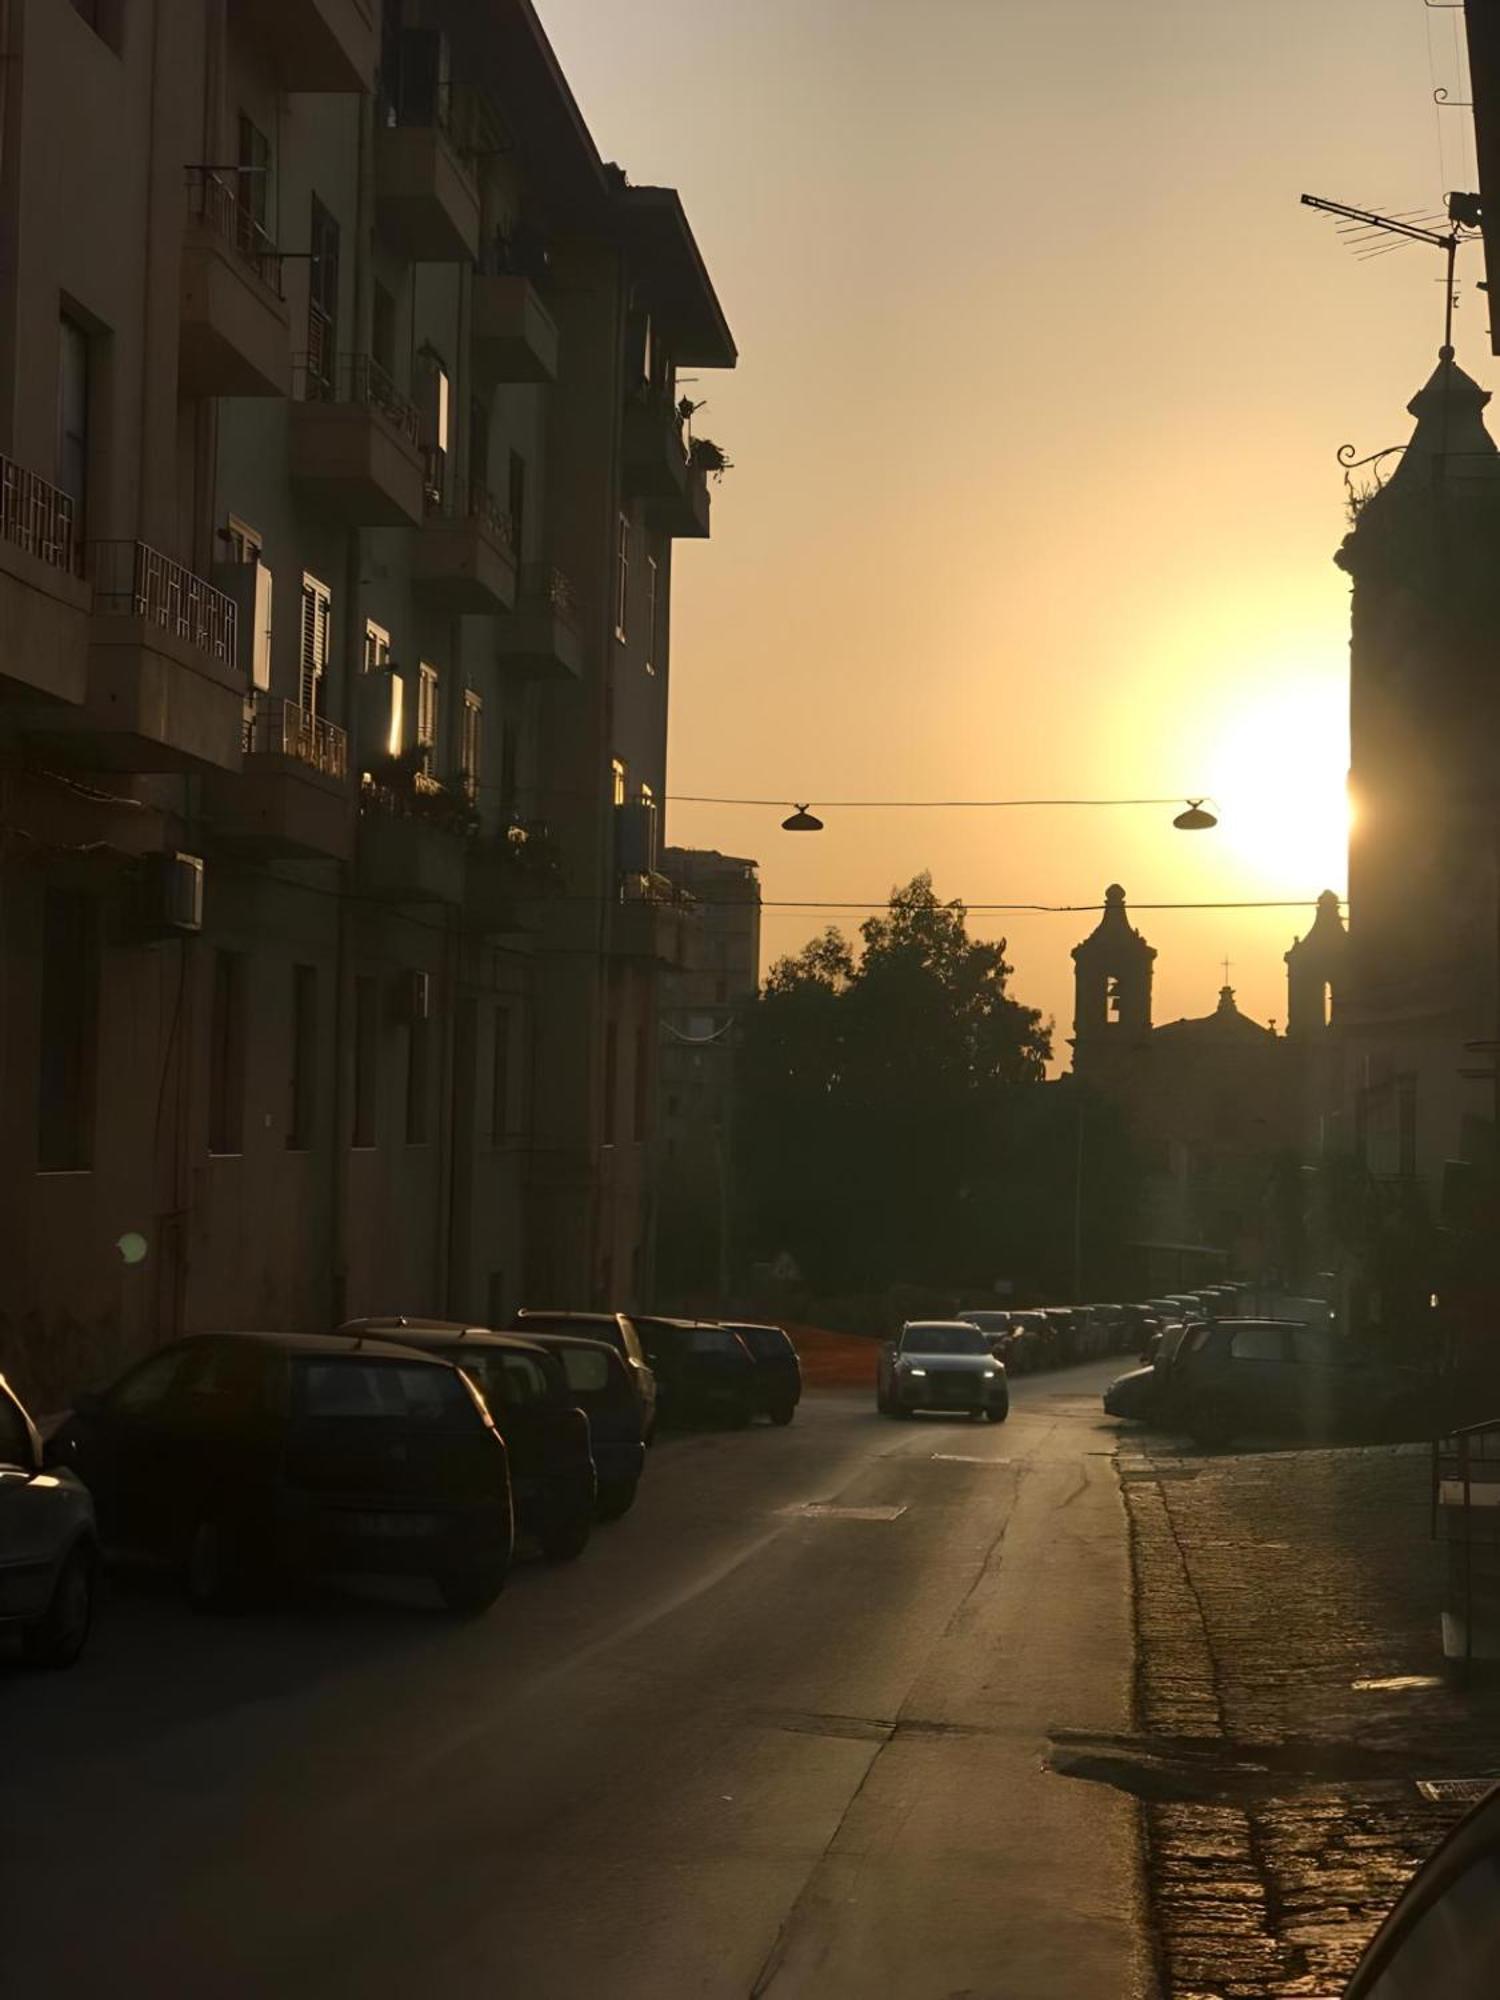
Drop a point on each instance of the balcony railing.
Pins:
(545, 583)
(285, 729)
(357, 378)
(133, 580)
(217, 203)
(36, 517)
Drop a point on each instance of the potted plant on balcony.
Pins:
(707, 457)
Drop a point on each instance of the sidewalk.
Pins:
(1281, 1810)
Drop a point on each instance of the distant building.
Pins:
(703, 999)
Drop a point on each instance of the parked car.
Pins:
(49, 1547)
(599, 1382)
(243, 1457)
(997, 1327)
(778, 1371)
(618, 1330)
(1220, 1379)
(941, 1365)
(1442, 1939)
(1030, 1343)
(704, 1373)
(547, 1435)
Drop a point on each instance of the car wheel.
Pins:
(783, 1413)
(470, 1592)
(1000, 1413)
(59, 1636)
(1211, 1423)
(616, 1499)
(565, 1541)
(213, 1573)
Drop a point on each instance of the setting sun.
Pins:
(1279, 769)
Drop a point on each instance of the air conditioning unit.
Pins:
(636, 838)
(171, 895)
(412, 996)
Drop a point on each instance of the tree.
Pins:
(886, 1101)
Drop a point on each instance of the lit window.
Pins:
(427, 713)
(618, 777)
(314, 643)
(622, 576)
(377, 647)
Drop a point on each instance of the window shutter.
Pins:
(260, 649)
(317, 610)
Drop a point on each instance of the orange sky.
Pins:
(1043, 370)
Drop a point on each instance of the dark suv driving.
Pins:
(545, 1431)
(241, 1457)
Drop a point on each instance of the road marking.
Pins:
(818, 1510)
(964, 1458)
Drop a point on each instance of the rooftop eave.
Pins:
(664, 251)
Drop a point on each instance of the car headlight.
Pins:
(915, 1371)
(989, 1374)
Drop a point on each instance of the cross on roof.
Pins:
(1225, 963)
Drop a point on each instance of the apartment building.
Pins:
(342, 471)
(704, 995)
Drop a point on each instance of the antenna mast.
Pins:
(1394, 225)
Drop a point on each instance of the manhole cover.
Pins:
(1454, 1791)
(817, 1510)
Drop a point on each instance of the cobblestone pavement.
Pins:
(1281, 1811)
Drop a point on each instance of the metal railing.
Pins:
(134, 580)
(285, 729)
(217, 203)
(34, 516)
(486, 509)
(552, 586)
(354, 378)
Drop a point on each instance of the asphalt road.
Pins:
(738, 1749)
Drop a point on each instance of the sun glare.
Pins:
(1280, 770)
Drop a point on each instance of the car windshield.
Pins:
(589, 1372)
(713, 1340)
(943, 1340)
(989, 1322)
(766, 1343)
(363, 1387)
(506, 1379)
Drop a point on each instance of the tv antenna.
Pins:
(1363, 224)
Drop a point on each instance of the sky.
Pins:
(1043, 370)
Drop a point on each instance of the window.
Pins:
(1258, 1343)
(73, 400)
(618, 779)
(642, 1079)
(226, 1054)
(469, 748)
(302, 1110)
(436, 391)
(322, 304)
(366, 1060)
(314, 644)
(427, 713)
(377, 647)
(69, 1033)
(244, 544)
(500, 1079)
(515, 501)
(253, 187)
(622, 575)
(611, 1078)
(15, 1438)
(418, 1046)
(653, 586)
(383, 328)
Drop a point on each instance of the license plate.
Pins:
(392, 1527)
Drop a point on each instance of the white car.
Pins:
(941, 1364)
(49, 1549)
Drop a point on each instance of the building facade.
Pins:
(343, 471)
(703, 1002)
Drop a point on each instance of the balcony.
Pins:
(409, 848)
(355, 446)
(509, 878)
(319, 45)
(540, 638)
(652, 920)
(515, 337)
(292, 801)
(426, 198)
(465, 561)
(44, 603)
(661, 474)
(235, 338)
(164, 690)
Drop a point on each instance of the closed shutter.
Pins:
(317, 613)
